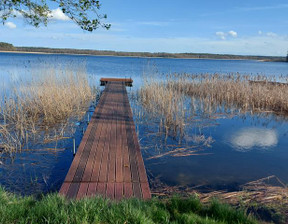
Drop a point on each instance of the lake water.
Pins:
(243, 148)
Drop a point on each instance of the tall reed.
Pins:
(164, 100)
(178, 97)
(33, 108)
(244, 93)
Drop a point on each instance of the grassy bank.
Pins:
(56, 209)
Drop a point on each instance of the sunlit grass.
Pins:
(56, 209)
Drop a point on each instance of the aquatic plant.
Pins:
(40, 108)
(164, 100)
(181, 96)
(245, 93)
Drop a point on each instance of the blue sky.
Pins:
(251, 27)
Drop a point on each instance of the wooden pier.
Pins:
(109, 161)
(104, 81)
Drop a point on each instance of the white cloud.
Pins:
(260, 32)
(221, 34)
(232, 33)
(57, 14)
(245, 139)
(224, 35)
(10, 25)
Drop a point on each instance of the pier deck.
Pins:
(109, 161)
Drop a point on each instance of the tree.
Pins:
(6, 46)
(85, 13)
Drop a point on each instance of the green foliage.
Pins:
(83, 12)
(6, 46)
(269, 213)
(224, 212)
(55, 209)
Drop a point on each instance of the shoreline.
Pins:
(131, 56)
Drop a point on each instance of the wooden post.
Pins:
(74, 147)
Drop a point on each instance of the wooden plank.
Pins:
(130, 144)
(105, 156)
(101, 189)
(87, 172)
(93, 161)
(128, 190)
(103, 141)
(104, 167)
(119, 191)
(126, 165)
(110, 190)
(126, 157)
(120, 138)
(76, 160)
(73, 190)
(112, 141)
(137, 190)
(84, 157)
(82, 192)
(145, 190)
(64, 188)
(91, 189)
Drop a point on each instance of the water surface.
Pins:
(241, 148)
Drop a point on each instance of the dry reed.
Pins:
(269, 192)
(41, 108)
(182, 96)
(244, 93)
(164, 100)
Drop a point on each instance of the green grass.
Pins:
(55, 209)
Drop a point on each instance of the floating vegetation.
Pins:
(198, 147)
(39, 110)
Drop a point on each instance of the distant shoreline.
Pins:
(44, 53)
(83, 52)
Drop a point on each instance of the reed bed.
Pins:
(245, 93)
(164, 100)
(179, 98)
(40, 109)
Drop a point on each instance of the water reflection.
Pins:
(246, 139)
